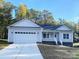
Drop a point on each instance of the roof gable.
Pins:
(25, 23)
(63, 27)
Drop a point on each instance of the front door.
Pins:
(57, 38)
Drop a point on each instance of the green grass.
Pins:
(76, 56)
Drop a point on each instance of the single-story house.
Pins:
(26, 31)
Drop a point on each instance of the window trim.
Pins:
(46, 35)
(65, 36)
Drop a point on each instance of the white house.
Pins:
(26, 31)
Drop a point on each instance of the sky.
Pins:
(65, 9)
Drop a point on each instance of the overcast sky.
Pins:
(67, 9)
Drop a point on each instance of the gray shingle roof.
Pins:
(51, 27)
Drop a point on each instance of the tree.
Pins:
(5, 17)
(22, 12)
(1, 1)
(34, 14)
(67, 23)
(46, 17)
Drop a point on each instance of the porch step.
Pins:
(59, 43)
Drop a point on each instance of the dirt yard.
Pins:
(58, 52)
(3, 44)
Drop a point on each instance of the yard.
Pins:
(58, 52)
(3, 44)
(53, 51)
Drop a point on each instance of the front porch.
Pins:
(52, 37)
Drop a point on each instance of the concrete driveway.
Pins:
(21, 51)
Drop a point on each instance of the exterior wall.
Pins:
(10, 34)
(66, 42)
(62, 30)
(67, 32)
(39, 36)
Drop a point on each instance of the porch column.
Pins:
(55, 39)
(41, 35)
(61, 38)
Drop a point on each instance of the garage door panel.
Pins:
(25, 37)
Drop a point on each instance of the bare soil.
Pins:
(58, 52)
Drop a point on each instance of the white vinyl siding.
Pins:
(68, 36)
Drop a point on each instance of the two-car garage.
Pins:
(24, 32)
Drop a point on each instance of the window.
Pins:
(48, 35)
(66, 36)
(18, 32)
(45, 35)
(15, 32)
(25, 32)
(34, 33)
